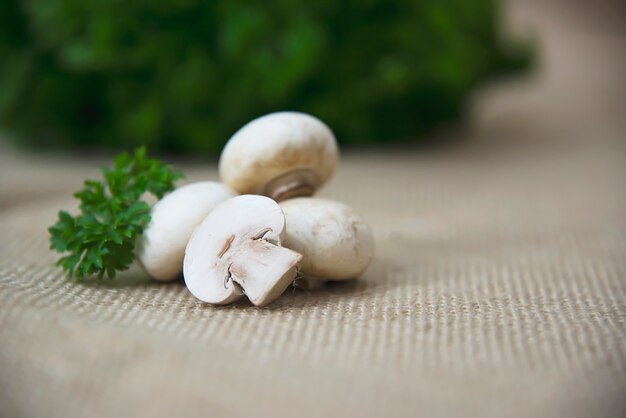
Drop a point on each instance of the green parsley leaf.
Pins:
(100, 240)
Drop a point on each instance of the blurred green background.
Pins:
(182, 76)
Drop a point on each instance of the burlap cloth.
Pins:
(498, 289)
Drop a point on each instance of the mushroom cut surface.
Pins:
(237, 250)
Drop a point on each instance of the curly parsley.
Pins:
(101, 239)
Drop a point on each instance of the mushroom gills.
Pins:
(296, 183)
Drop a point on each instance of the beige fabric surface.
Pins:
(498, 289)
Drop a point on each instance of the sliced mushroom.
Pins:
(237, 250)
(336, 242)
(161, 247)
(280, 155)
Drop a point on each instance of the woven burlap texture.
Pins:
(498, 289)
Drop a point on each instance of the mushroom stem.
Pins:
(262, 261)
(296, 183)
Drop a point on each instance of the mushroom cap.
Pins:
(274, 145)
(161, 247)
(335, 241)
(236, 250)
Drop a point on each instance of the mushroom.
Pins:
(161, 247)
(237, 250)
(336, 242)
(280, 155)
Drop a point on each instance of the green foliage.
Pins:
(101, 239)
(183, 75)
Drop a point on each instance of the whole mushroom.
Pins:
(335, 241)
(237, 250)
(280, 155)
(161, 247)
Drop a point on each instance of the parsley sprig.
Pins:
(101, 239)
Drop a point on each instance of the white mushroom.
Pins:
(237, 250)
(280, 155)
(161, 247)
(336, 242)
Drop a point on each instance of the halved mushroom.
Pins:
(237, 250)
(161, 247)
(280, 155)
(335, 241)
